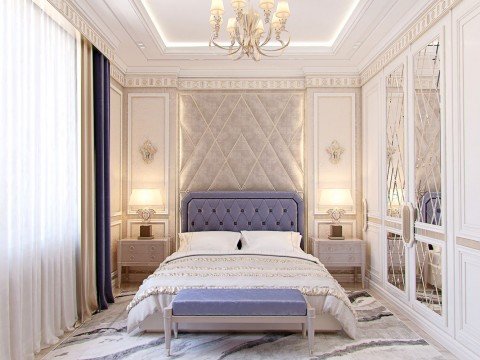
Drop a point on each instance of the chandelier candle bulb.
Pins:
(239, 4)
(231, 25)
(260, 29)
(266, 4)
(217, 8)
(276, 25)
(283, 10)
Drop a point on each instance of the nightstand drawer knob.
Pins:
(132, 257)
(132, 247)
(152, 257)
(152, 248)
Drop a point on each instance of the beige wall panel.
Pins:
(334, 119)
(148, 120)
(115, 151)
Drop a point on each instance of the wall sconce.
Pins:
(145, 199)
(336, 198)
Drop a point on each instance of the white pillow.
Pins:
(209, 240)
(271, 240)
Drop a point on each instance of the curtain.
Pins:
(101, 110)
(39, 181)
(86, 265)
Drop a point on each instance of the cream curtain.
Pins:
(86, 280)
(39, 180)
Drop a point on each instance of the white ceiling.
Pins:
(171, 36)
(177, 33)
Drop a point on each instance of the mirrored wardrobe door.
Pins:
(427, 172)
(395, 177)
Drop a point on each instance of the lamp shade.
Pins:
(336, 197)
(146, 197)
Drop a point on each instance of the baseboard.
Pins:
(441, 337)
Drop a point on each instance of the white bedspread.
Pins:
(238, 269)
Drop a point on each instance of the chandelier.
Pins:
(247, 29)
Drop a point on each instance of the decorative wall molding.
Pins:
(120, 139)
(83, 26)
(117, 74)
(333, 81)
(151, 80)
(321, 157)
(215, 83)
(132, 149)
(425, 22)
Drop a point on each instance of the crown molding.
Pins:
(212, 83)
(429, 18)
(333, 81)
(65, 8)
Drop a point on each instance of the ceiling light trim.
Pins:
(331, 44)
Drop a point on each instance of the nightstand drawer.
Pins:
(336, 248)
(142, 257)
(332, 258)
(138, 248)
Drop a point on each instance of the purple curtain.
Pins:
(101, 111)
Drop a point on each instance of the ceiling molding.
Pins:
(215, 83)
(117, 74)
(83, 26)
(429, 18)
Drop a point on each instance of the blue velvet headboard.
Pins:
(243, 210)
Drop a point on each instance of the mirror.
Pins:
(429, 275)
(395, 142)
(395, 260)
(428, 131)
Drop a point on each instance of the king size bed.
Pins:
(251, 240)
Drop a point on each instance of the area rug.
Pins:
(380, 336)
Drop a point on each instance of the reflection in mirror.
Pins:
(429, 275)
(428, 132)
(396, 260)
(395, 142)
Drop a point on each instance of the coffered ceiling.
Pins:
(171, 36)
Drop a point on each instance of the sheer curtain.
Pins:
(39, 185)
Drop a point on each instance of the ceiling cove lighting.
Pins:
(247, 29)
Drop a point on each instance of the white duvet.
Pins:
(237, 269)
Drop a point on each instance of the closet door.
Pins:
(426, 144)
(396, 259)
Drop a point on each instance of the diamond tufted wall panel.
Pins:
(241, 141)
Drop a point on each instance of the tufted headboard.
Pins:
(242, 210)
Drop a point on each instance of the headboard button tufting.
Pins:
(256, 210)
(228, 210)
(242, 210)
(270, 210)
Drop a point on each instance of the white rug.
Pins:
(380, 336)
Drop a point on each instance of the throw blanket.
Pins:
(237, 269)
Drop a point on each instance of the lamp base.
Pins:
(145, 232)
(336, 232)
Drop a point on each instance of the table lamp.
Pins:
(144, 199)
(336, 198)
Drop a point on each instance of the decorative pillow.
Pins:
(209, 240)
(271, 240)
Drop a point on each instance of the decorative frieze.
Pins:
(150, 81)
(333, 81)
(71, 14)
(117, 74)
(425, 22)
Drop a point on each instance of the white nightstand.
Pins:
(341, 253)
(133, 252)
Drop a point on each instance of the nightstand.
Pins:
(341, 253)
(133, 252)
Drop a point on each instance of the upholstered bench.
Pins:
(239, 306)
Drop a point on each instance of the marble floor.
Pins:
(401, 343)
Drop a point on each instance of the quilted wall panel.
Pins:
(241, 141)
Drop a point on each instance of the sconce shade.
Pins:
(146, 197)
(336, 197)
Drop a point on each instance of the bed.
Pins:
(272, 268)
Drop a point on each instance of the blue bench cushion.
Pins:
(239, 302)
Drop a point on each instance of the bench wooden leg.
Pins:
(304, 330)
(167, 327)
(311, 328)
(175, 329)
